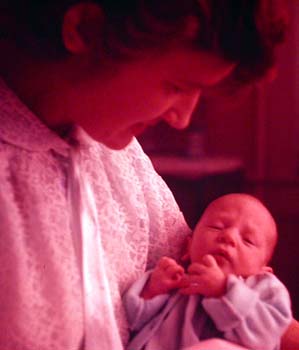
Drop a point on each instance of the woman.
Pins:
(82, 211)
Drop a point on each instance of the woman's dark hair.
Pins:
(242, 31)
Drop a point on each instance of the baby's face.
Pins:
(238, 231)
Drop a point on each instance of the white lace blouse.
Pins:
(78, 224)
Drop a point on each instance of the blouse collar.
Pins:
(21, 128)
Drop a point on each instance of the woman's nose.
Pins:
(179, 115)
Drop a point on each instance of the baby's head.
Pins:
(239, 231)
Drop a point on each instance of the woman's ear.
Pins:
(81, 28)
(185, 258)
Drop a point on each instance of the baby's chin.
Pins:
(227, 270)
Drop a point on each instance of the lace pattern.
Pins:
(41, 297)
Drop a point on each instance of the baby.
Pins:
(227, 290)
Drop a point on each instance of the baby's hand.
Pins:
(205, 278)
(165, 277)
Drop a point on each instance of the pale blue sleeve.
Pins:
(140, 311)
(254, 312)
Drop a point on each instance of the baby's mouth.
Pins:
(221, 257)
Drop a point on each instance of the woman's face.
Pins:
(114, 107)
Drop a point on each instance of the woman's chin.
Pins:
(118, 143)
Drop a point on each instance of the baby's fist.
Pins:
(165, 277)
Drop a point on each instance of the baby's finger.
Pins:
(184, 281)
(175, 272)
(165, 261)
(208, 260)
(190, 281)
(196, 269)
(192, 288)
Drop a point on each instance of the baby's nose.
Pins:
(228, 236)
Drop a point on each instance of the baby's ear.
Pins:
(185, 258)
(267, 269)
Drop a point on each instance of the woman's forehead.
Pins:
(197, 68)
